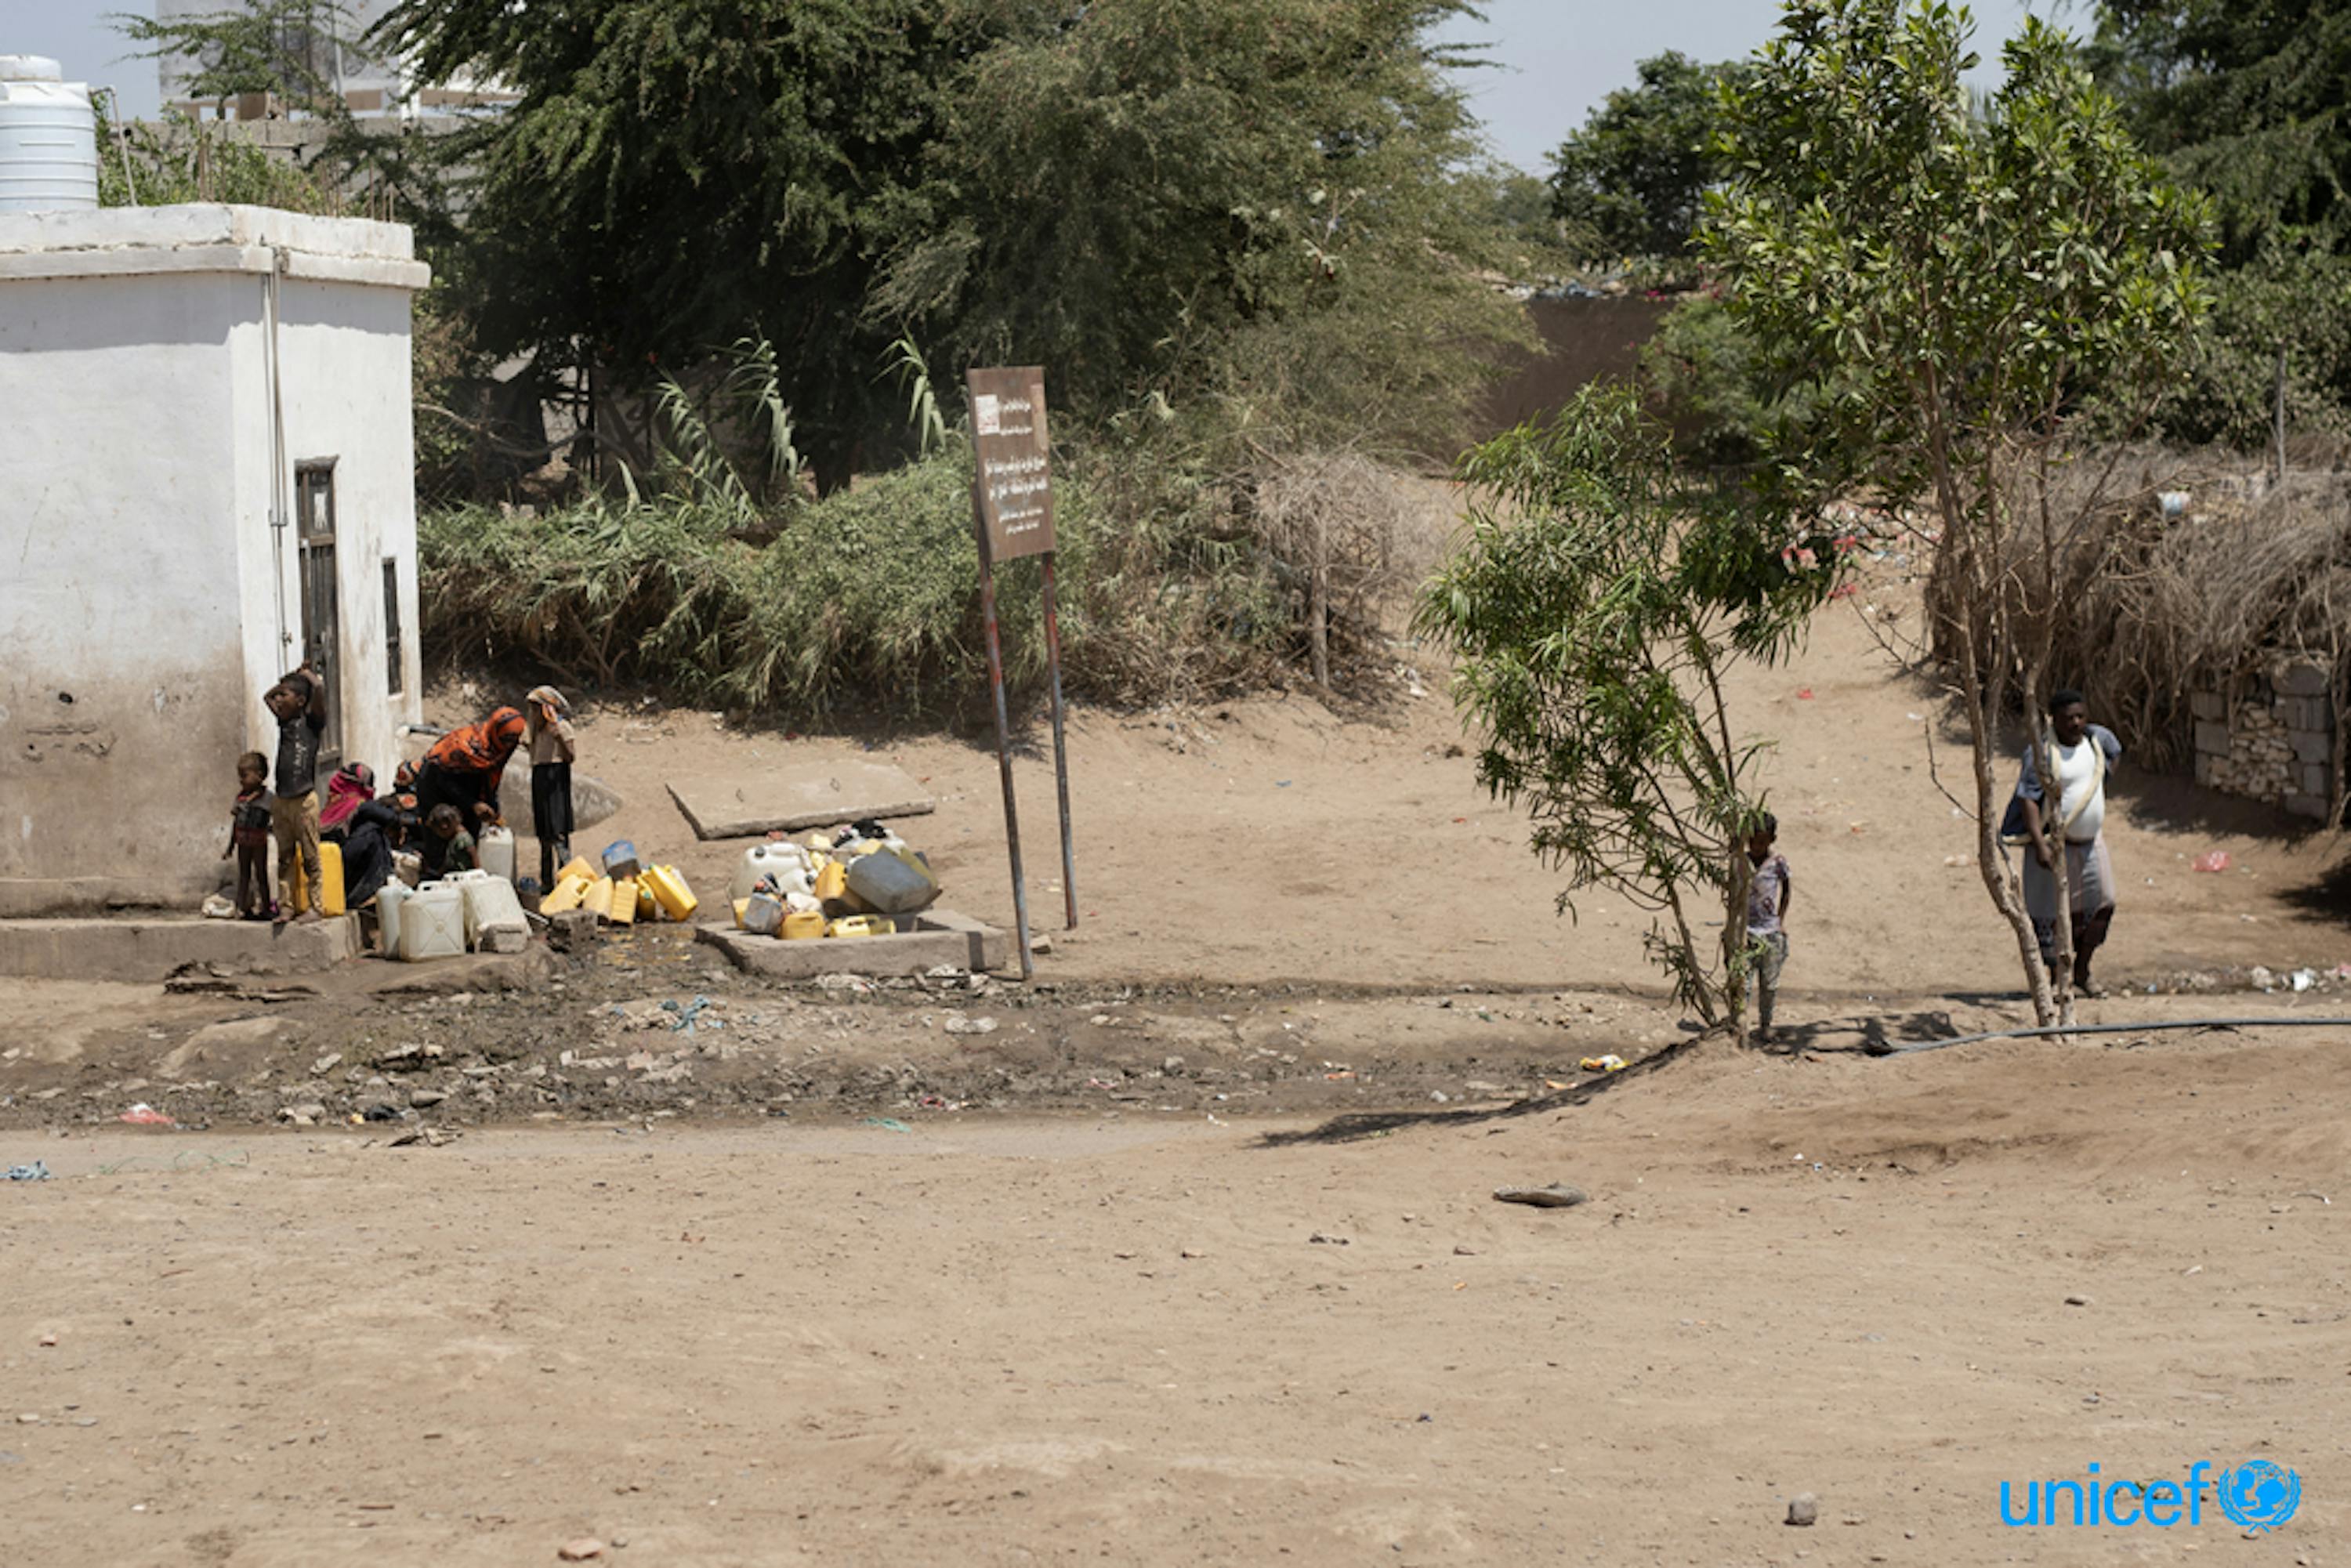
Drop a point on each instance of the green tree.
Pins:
(681, 173)
(1597, 605)
(185, 159)
(1633, 181)
(1965, 283)
(284, 48)
(1271, 199)
(292, 50)
(2248, 100)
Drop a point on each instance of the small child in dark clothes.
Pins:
(456, 845)
(248, 836)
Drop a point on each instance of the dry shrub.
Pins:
(2206, 600)
(1358, 523)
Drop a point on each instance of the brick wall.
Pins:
(2274, 742)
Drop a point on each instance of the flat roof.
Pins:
(201, 236)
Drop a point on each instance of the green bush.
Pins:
(870, 595)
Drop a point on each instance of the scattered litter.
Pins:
(959, 1023)
(143, 1115)
(37, 1171)
(686, 1014)
(1803, 694)
(888, 1124)
(1330, 1241)
(1612, 1063)
(1558, 1194)
(2303, 980)
(215, 908)
(2217, 860)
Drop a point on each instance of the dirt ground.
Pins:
(1159, 1340)
(740, 1272)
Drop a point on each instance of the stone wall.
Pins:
(2273, 742)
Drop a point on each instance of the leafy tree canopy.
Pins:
(1123, 197)
(2251, 101)
(1967, 283)
(678, 174)
(279, 46)
(1632, 182)
(2247, 98)
(1599, 602)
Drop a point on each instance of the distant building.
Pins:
(367, 83)
(209, 476)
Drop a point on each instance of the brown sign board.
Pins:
(1014, 454)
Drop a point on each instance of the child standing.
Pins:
(1768, 897)
(298, 703)
(548, 719)
(452, 847)
(248, 836)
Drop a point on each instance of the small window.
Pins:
(391, 626)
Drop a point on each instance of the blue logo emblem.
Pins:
(2259, 1495)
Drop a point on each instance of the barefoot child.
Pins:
(1768, 898)
(248, 836)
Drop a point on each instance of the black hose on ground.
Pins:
(1877, 1047)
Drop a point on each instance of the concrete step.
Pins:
(152, 947)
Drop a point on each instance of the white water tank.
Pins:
(48, 137)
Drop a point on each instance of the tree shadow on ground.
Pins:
(1855, 1034)
(2327, 895)
(1869, 1034)
(1356, 1125)
(2177, 803)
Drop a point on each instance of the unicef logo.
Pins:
(2259, 1495)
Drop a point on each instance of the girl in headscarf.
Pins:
(552, 747)
(352, 786)
(465, 766)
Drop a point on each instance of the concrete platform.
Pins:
(144, 949)
(736, 806)
(940, 938)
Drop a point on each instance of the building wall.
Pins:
(145, 600)
(2272, 740)
(345, 398)
(123, 671)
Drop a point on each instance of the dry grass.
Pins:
(2165, 606)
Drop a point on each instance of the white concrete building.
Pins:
(207, 472)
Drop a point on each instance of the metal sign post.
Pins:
(1012, 507)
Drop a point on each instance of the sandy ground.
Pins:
(1110, 1339)
(1273, 839)
(999, 1274)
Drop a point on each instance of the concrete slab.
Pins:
(941, 938)
(152, 949)
(737, 806)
